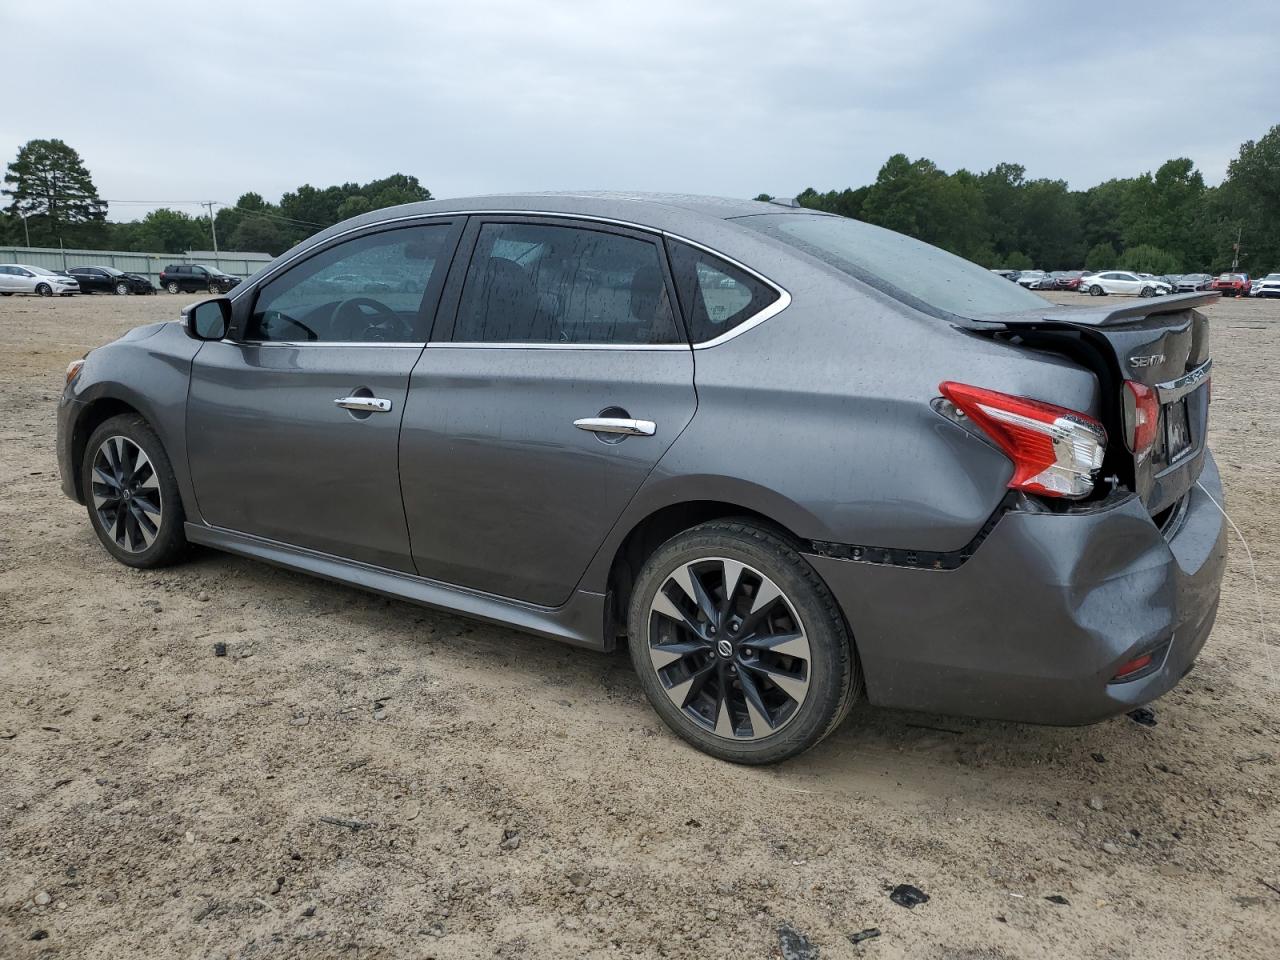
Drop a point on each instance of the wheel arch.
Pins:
(96, 413)
(655, 528)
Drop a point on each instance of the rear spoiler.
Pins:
(1095, 316)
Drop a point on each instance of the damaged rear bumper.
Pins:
(1035, 625)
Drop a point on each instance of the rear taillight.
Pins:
(1055, 451)
(1141, 416)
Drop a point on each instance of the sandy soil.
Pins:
(341, 782)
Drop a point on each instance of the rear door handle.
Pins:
(367, 404)
(623, 425)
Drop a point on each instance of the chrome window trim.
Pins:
(775, 308)
(324, 343)
(535, 345)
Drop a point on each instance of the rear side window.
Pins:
(716, 296)
(916, 273)
(541, 283)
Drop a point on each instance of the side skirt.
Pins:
(579, 622)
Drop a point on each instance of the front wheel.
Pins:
(739, 645)
(1095, 291)
(1147, 292)
(132, 494)
(122, 289)
(44, 290)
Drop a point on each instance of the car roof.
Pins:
(674, 212)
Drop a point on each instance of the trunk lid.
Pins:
(1160, 342)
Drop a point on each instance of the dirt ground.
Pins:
(342, 781)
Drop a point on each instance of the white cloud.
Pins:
(205, 102)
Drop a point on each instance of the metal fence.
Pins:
(148, 264)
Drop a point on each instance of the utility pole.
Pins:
(25, 229)
(1235, 258)
(212, 227)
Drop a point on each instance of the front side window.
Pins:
(539, 283)
(716, 296)
(366, 290)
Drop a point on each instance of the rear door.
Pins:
(298, 414)
(557, 377)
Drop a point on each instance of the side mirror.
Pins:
(207, 320)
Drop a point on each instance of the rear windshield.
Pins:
(906, 269)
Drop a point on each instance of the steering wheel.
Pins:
(386, 326)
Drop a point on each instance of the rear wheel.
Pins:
(44, 290)
(739, 645)
(132, 494)
(171, 286)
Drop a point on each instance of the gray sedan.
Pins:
(790, 459)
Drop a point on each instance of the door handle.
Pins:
(367, 404)
(622, 425)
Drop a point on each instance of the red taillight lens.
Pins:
(1141, 415)
(1055, 451)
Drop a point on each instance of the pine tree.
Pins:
(52, 189)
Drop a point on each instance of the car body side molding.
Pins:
(579, 622)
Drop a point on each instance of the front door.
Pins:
(547, 395)
(298, 414)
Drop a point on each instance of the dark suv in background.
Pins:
(191, 277)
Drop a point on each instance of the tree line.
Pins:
(1168, 221)
(53, 201)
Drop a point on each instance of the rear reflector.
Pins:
(1141, 416)
(1056, 452)
(1136, 665)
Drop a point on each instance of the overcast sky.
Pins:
(186, 102)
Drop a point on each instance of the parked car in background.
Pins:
(1067, 279)
(598, 444)
(24, 278)
(1192, 282)
(110, 280)
(1232, 284)
(1124, 283)
(193, 277)
(1035, 280)
(1007, 274)
(1268, 286)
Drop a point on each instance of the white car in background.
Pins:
(23, 278)
(1124, 283)
(1268, 286)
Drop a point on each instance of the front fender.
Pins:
(147, 370)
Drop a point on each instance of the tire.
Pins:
(6, 293)
(1096, 291)
(818, 670)
(1147, 292)
(213, 288)
(122, 289)
(112, 451)
(172, 286)
(44, 290)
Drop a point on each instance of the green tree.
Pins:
(1017, 260)
(171, 231)
(53, 190)
(258, 234)
(1148, 258)
(1101, 256)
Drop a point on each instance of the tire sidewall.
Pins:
(833, 670)
(170, 539)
